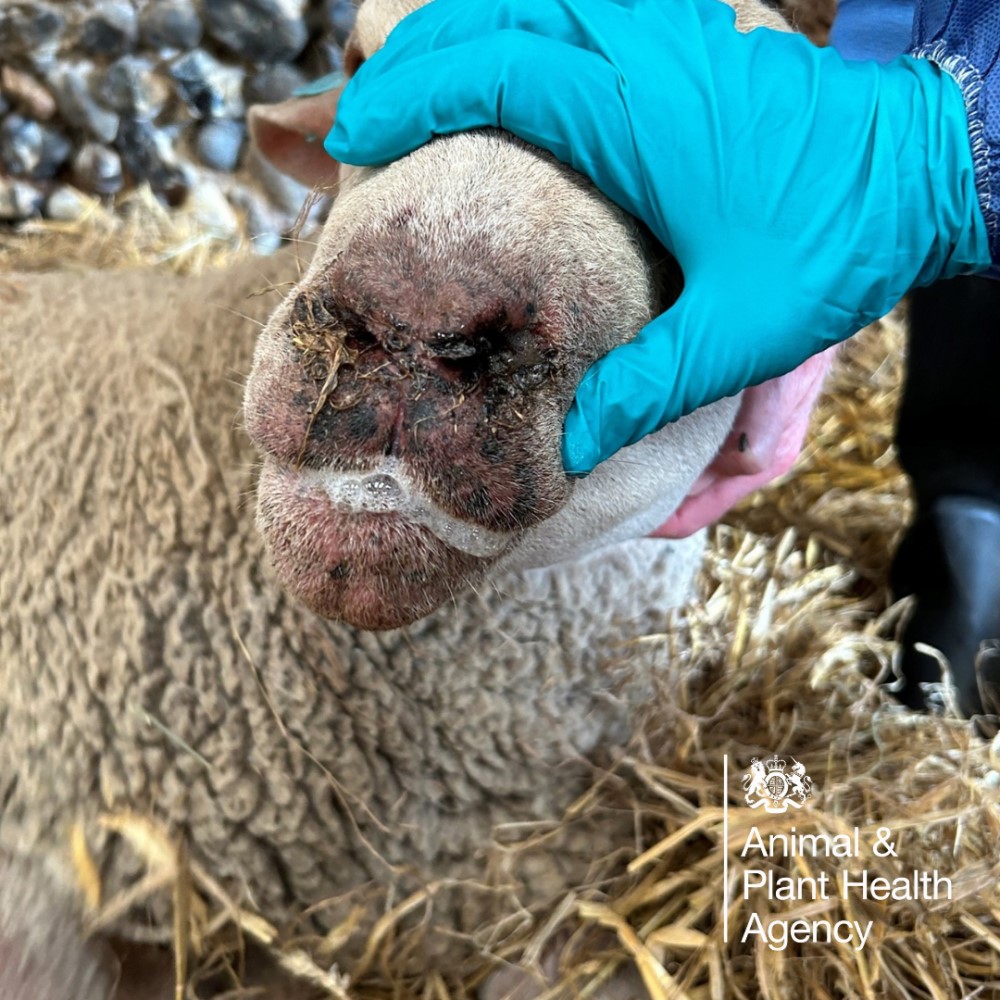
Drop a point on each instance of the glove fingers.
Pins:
(452, 23)
(495, 83)
(634, 390)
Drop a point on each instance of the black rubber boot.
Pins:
(950, 559)
(948, 444)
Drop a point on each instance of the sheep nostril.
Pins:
(452, 346)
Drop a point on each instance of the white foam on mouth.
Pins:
(389, 490)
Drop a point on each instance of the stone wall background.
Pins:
(98, 97)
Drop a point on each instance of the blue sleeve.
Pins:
(963, 38)
(872, 29)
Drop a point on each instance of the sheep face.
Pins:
(409, 396)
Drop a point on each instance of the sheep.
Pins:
(436, 642)
(151, 663)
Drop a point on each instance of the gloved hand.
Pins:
(801, 194)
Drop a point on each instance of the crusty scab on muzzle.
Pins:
(374, 384)
(403, 453)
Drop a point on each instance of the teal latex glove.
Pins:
(802, 194)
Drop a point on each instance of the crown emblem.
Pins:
(774, 786)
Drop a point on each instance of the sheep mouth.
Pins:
(365, 548)
(388, 489)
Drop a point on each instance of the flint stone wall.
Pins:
(100, 96)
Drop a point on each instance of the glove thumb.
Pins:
(637, 388)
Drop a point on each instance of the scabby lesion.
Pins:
(320, 337)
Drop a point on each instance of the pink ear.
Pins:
(290, 135)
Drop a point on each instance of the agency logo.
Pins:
(772, 785)
(822, 897)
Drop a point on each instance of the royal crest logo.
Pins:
(774, 786)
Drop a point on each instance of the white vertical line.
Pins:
(725, 848)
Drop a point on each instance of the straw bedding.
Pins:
(783, 655)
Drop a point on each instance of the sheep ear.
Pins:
(290, 136)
